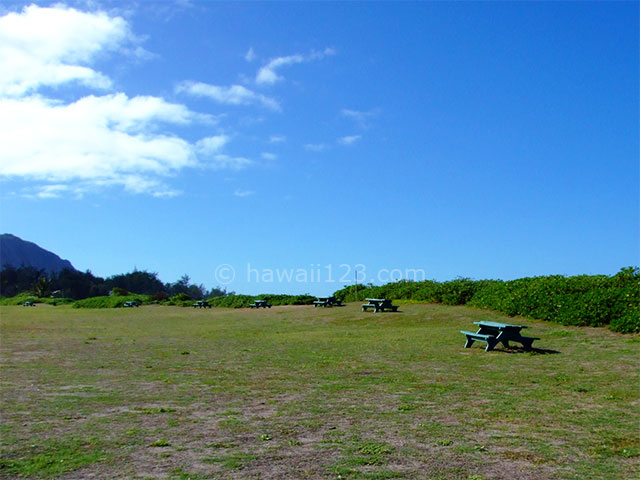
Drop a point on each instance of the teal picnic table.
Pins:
(327, 302)
(379, 305)
(260, 304)
(202, 304)
(494, 333)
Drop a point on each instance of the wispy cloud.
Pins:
(211, 145)
(268, 75)
(315, 147)
(233, 95)
(268, 156)
(349, 140)
(362, 119)
(250, 56)
(277, 139)
(222, 161)
(244, 193)
(51, 191)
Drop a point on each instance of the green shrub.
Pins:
(29, 297)
(119, 292)
(110, 301)
(159, 297)
(593, 300)
(243, 301)
(180, 300)
(583, 300)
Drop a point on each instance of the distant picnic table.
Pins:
(202, 304)
(327, 302)
(133, 303)
(28, 303)
(379, 305)
(494, 333)
(260, 304)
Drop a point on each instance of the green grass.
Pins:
(298, 392)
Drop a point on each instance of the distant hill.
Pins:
(18, 253)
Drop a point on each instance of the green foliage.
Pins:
(585, 300)
(41, 288)
(119, 292)
(590, 300)
(110, 301)
(179, 299)
(159, 297)
(243, 301)
(29, 297)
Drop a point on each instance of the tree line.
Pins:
(78, 285)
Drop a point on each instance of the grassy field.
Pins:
(297, 392)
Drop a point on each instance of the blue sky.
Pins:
(311, 140)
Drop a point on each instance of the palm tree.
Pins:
(42, 287)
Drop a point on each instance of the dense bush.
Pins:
(158, 297)
(593, 300)
(243, 301)
(120, 292)
(110, 301)
(29, 297)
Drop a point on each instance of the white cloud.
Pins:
(52, 46)
(268, 156)
(250, 55)
(211, 145)
(51, 191)
(349, 140)
(95, 141)
(315, 147)
(233, 95)
(267, 75)
(277, 139)
(222, 161)
(109, 140)
(360, 118)
(244, 193)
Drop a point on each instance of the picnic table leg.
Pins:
(491, 343)
(526, 343)
(469, 342)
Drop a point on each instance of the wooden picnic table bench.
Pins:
(202, 304)
(379, 305)
(259, 304)
(327, 302)
(494, 333)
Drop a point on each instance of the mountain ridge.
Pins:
(16, 252)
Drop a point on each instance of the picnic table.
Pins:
(202, 304)
(379, 305)
(28, 303)
(494, 333)
(259, 304)
(133, 303)
(327, 302)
